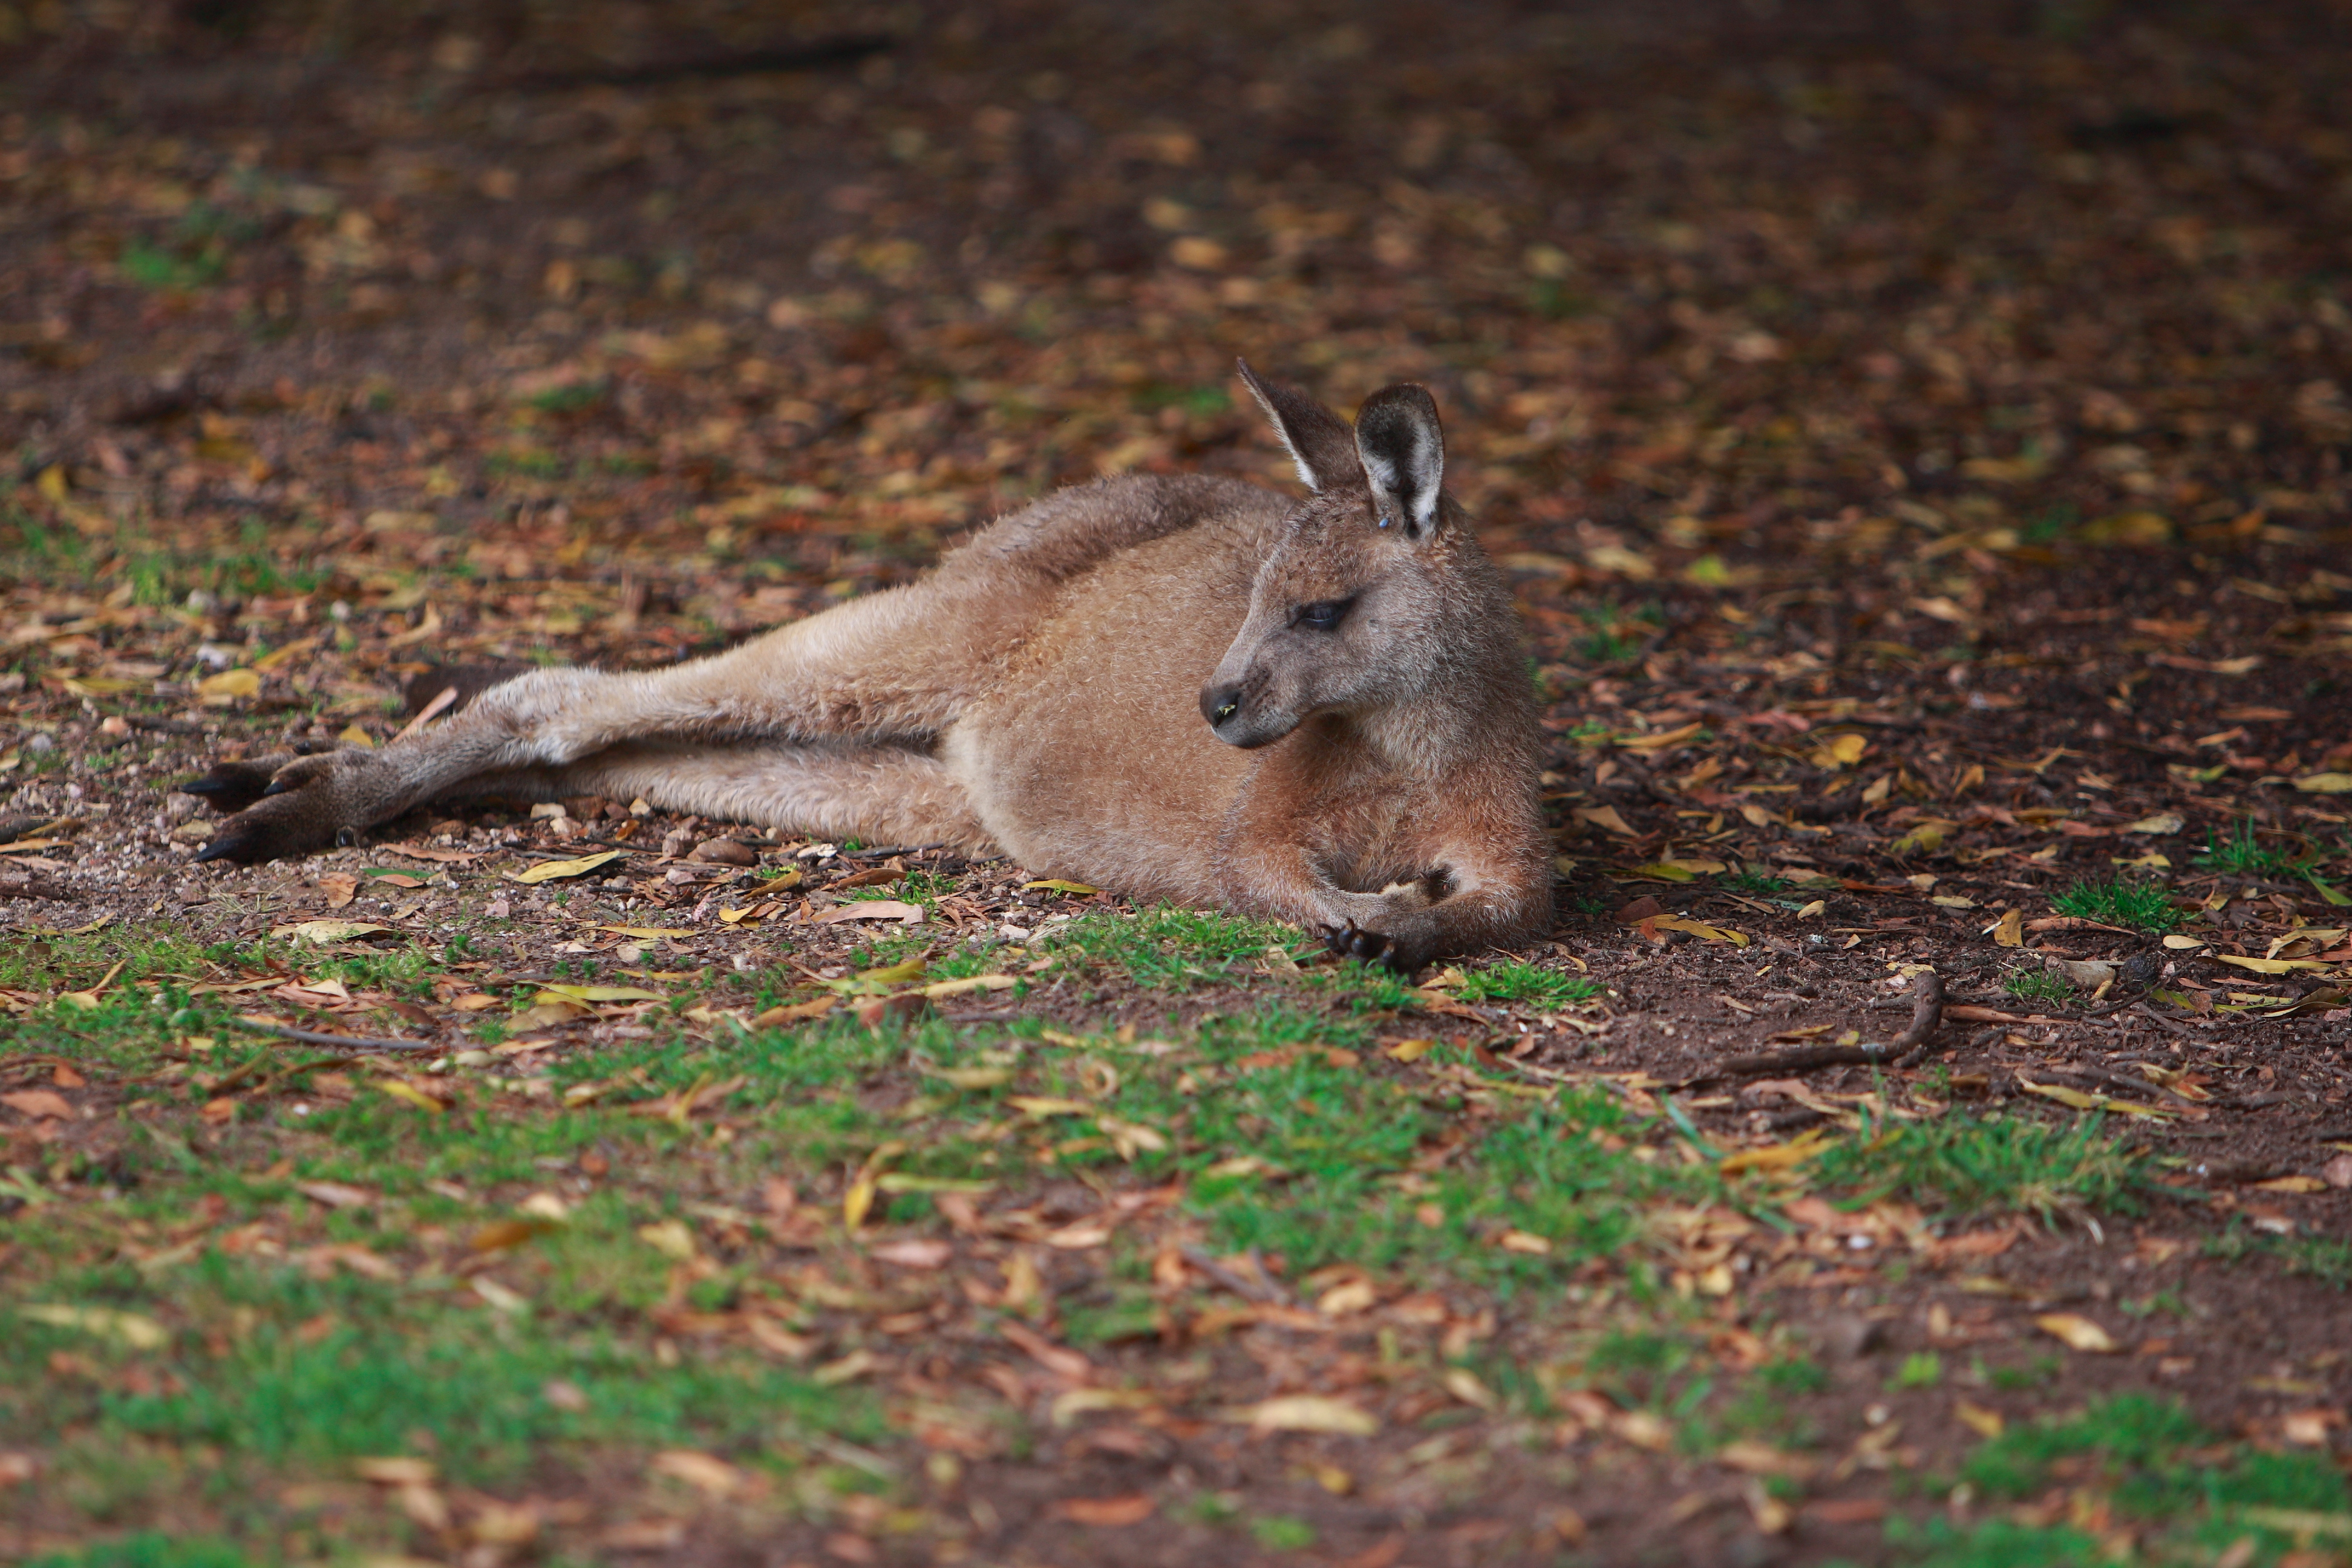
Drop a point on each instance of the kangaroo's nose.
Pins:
(1220, 703)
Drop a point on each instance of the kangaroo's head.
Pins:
(1350, 612)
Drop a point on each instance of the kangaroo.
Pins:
(1181, 688)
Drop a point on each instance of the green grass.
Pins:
(2321, 1258)
(570, 397)
(2037, 985)
(2241, 854)
(2186, 1496)
(1756, 884)
(1281, 1532)
(148, 1549)
(1527, 982)
(1619, 634)
(1962, 1164)
(2116, 902)
(1170, 949)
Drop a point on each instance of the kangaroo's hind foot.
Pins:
(295, 803)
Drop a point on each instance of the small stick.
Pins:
(313, 1037)
(1262, 1289)
(1926, 1016)
(427, 714)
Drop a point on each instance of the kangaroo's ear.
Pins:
(1317, 437)
(1403, 454)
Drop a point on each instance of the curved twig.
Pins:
(1927, 1016)
(348, 1042)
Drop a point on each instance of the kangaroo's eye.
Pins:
(1321, 617)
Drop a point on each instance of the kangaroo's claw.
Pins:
(233, 786)
(284, 806)
(1350, 940)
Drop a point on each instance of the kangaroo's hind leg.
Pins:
(877, 794)
(892, 668)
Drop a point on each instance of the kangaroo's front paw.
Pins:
(1402, 953)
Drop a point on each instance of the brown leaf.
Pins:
(38, 1102)
(1109, 1512)
(341, 888)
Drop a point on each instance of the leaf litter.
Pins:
(608, 1183)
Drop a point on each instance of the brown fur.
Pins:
(1042, 691)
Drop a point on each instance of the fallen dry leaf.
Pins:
(38, 1102)
(555, 871)
(1106, 1512)
(2076, 1332)
(1308, 1413)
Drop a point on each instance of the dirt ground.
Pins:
(1917, 440)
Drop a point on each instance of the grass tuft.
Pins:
(1968, 1165)
(2038, 986)
(2113, 900)
(1528, 982)
(2241, 854)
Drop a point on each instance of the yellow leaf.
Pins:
(896, 973)
(1840, 751)
(2082, 1101)
(416, 1097)
(1040, 1106)
(1606, 817)
(1464, 1384)
(2166, 822)
(228, 686)
(1661, 741)
(1984, 1422)
(550, 870)
(1697, 928)
(2325, 783)
(2127, 528)
(291, 651)
(2184, 943)
(896, 1183)
(2292, 1184)
(858, 1201)
(1950, 901)
(706, 1473)
(1308, 1413)
(605, 993)
(1525, 1241)
(647, 933)
(1067, 1408)
(1777, 1156)
(1663, 871)
(670, 1238)
(970, 983)
(1813, 911)
(1411, 1050)
(99, 685)
(2077, 1331)
(2009, 930)
(51, 482)
(796, 1012)
(2271, 965)
(139, 1332)
(1620, 562)
(856, 1365)
(975, 1077)
(401, 1471)
(1056, 884)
